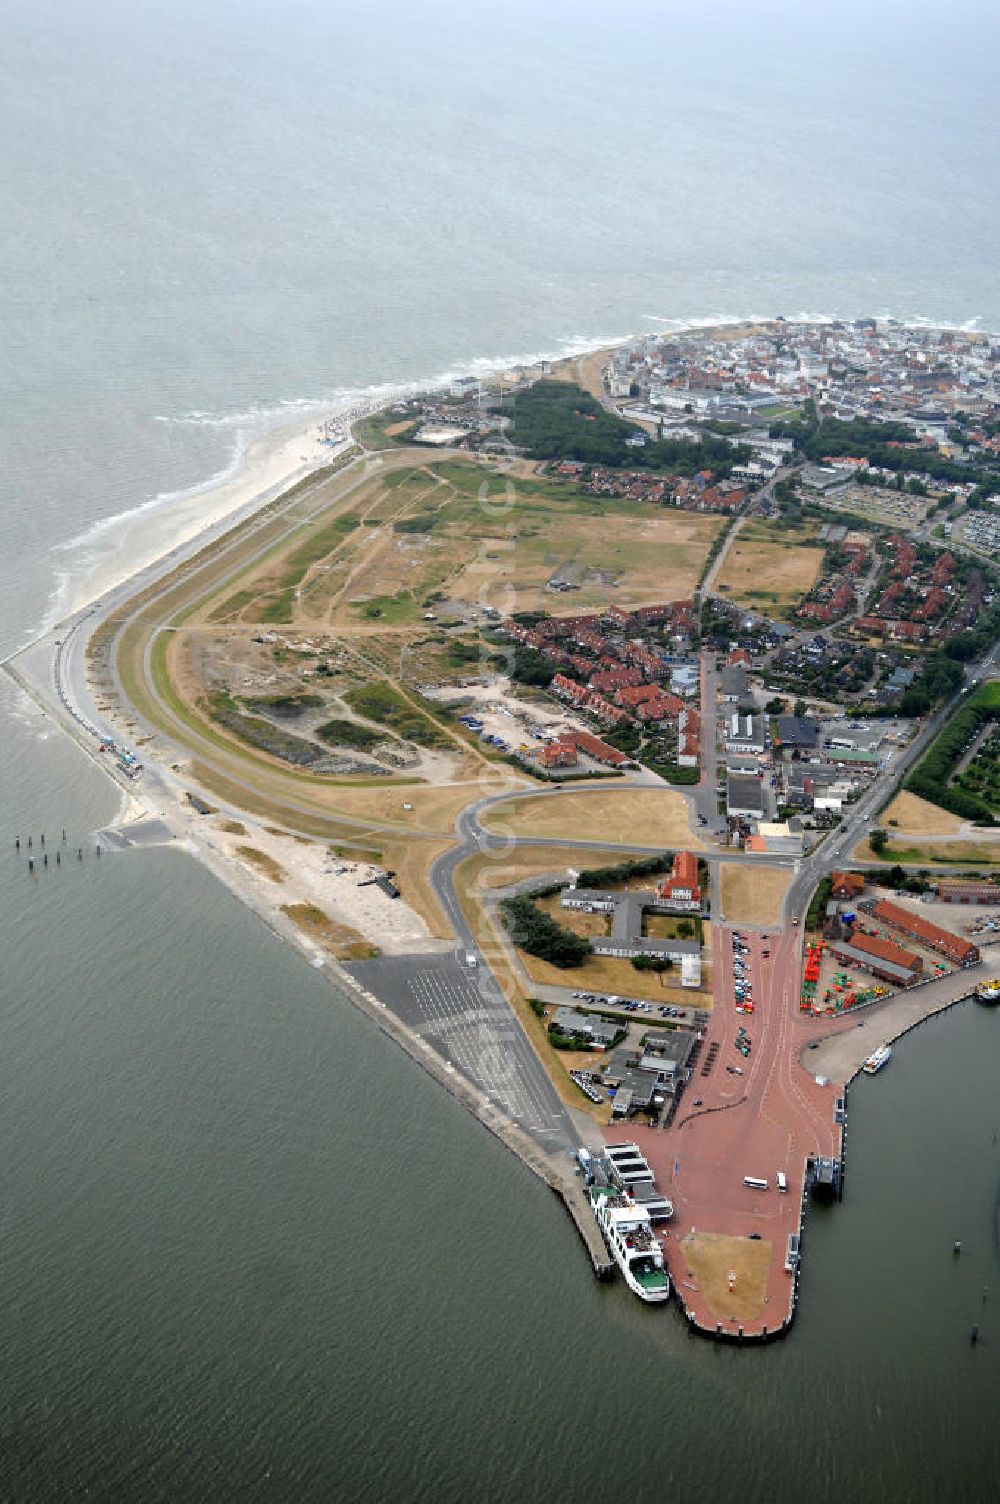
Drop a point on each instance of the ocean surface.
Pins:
(247, 1250)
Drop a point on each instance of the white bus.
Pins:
(755, 1183)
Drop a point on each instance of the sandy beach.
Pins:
(270, 464)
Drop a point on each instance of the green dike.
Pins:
(316, 546)
(327, 828)
(253, 533)
(924, 856)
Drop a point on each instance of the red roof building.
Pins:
(682, 888)
(610, 681)
(559, 754)
(598, 750)
(961, 952)
(886, 950)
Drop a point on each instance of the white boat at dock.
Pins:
(631, 1241)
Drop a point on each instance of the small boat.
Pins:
(877, 1059)
(989, 992)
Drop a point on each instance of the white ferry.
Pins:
(631, 1242)
(875, 1062)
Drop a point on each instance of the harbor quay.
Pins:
(740, 1158)
(761, 1130)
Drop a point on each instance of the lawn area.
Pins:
(384, 429)
(940, 853)
(765, 564)
(629, 817)
(752, 893)
(577, 920)
(671, 926)
(613, 975)
(711, 1255)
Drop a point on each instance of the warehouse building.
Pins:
(960, 952)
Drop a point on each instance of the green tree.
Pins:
(878, 840)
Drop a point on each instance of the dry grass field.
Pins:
(752, 893)
(909, 815)
(418, 530)
(629, 817)
(710, 1257)
(432, 807)
(767, 566)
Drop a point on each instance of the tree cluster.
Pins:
(553, 420)
(540, 935)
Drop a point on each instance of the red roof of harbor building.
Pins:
(885, 950)
(962, 952)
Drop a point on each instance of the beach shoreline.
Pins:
(290, 448)
(271, 462)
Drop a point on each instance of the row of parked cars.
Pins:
(629, 1004)
(742, 985)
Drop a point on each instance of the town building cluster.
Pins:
(866, 368)
(622, 668)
